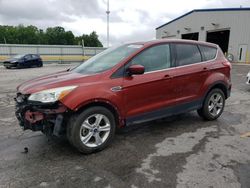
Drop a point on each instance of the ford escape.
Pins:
(126, 85)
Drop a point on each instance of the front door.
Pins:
(28, 60)
(152, 90)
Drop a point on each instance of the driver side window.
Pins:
(154, 58)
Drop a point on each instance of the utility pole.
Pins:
(107, 12)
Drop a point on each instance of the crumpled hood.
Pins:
(55, 80)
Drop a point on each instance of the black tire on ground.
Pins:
(75, 130)
(207, 113)
(40, 64)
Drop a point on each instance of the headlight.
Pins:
(51, 95)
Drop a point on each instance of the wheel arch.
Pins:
(220, 85)
(106, 104)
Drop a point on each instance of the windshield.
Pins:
(17, 56)
(106, 59)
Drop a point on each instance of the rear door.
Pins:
(190, 72)
(153, 89)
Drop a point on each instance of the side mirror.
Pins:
(135, 69)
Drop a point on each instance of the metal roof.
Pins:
(206, 10)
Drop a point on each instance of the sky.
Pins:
(130, 20)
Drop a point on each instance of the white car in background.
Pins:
(248, 78)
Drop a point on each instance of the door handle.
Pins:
(205, 69)
(167, 76)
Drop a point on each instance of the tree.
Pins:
(52, 35)
(26, 35)
(90, 40)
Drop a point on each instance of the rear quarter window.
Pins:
(34, 56)
(209, 53)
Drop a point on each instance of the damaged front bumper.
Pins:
(49, 118)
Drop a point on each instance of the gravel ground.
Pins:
(181, 151)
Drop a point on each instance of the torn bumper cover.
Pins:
(36, 116)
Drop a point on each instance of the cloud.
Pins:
(130, 20)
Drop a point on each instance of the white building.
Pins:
(229, 28)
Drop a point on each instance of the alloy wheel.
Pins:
(215, 104)
(95, 130)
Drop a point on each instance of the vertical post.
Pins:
(10, 50)
(108, 12)
(61, 50)
(247, 57)
(37, 50)
(5, 44)
(83, 50)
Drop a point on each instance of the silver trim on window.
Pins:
(187, 65)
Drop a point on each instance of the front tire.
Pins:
(91, 130)
(213, 105)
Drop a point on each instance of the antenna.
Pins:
(107, 12)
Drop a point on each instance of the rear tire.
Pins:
(40, 65)
(213, 105)
(91, 130)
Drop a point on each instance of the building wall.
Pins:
(237, 21)
(50, 53)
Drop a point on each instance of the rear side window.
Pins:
(154, 58)
(187, 54)
(209, 53)
(27, 57)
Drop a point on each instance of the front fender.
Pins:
(83, 96)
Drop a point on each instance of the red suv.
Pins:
(126, 85)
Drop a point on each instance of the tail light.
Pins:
(227, 63)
